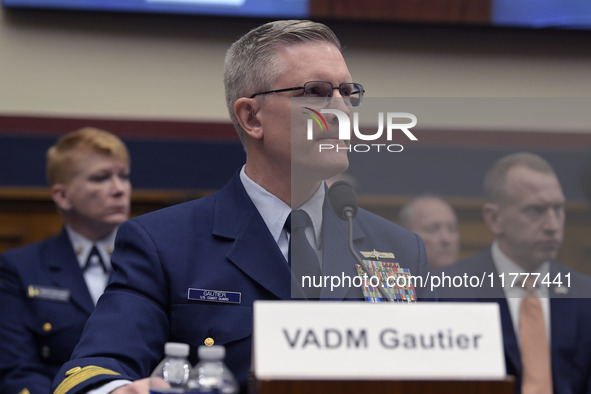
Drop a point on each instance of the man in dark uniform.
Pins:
(236, 241)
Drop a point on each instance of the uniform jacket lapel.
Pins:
(65, 271)
(254, 251)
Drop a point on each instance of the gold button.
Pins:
(73, 371)
(208, 341)
(47, 327)
(33, 291)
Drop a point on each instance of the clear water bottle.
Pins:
(172, 374)
(211, 375)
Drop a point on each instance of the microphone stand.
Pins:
(348, 212)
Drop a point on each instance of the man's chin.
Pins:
(115, 219)
(327, 167)
(441, 262)
(548, 257)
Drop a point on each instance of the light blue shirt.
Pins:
(274, 213)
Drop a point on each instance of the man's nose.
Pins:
(340, 103)
(553, 220)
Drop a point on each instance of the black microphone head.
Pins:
(343, 199)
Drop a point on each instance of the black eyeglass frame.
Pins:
(361, 90)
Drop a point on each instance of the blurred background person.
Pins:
(436, 222)
(49, 289)
(546, 320)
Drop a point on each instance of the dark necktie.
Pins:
(303, 259)
(95, 259)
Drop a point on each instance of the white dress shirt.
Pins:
(95, 277)
(515, 294)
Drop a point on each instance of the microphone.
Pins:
(343, 199)
(344, 202)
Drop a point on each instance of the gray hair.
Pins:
(251, 63)
(495, 180)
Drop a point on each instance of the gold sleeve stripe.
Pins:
(79, 376)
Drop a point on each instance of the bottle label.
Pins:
(203, 392)
(178, 390)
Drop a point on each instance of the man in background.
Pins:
(49, 289)
(545, 306)
(436, 222)
(237, 240)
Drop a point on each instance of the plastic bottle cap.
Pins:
(176, 349)
(215, 352)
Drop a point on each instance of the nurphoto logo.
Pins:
(346, 132)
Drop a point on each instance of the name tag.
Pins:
(382, 341)
(48, 293)
(231, 297)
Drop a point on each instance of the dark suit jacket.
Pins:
(39, 327)
(219, 242)
(570, 321)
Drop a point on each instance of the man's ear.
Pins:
(492, 217)
(59, 197)
(245, 110)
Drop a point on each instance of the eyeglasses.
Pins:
(351, 92)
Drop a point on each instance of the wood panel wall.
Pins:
(28, 215)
